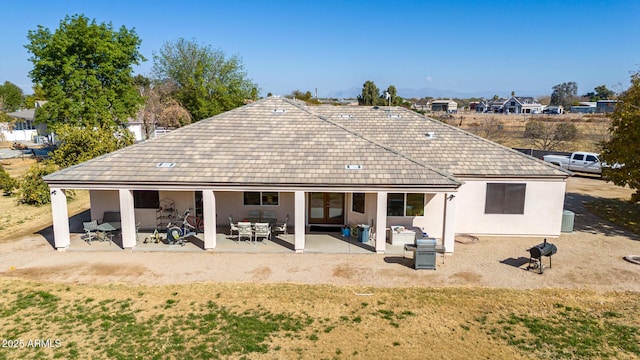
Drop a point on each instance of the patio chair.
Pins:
(244, 230)
(282, 228)
(233, 227)
(262, 230)
(90, 229)
(269, 216)
(254, 215)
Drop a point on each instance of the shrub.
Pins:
(33, 190)
(7, 183)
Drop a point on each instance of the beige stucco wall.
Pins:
(544, 201)
(542, 215)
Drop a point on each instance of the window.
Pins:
(578, 157)
(415, 205)
(261, 198)
(592, 158)
(358, 203)
(505, 198)
(405, 205)
(146, 199)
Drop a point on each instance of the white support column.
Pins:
(60, 214)
(381, 222)
(127, 219)
(209, 218)
(299, 221)
(448, 232)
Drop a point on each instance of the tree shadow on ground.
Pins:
(586, 221)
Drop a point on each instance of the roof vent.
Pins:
(165, 165)
(431, 135)
(353, 167)
(346, 116)
(395, 116)
(279, 110)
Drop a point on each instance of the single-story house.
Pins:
(606, 106)
(449, 106)
(585, 107)
(24, 127)
(321, 165)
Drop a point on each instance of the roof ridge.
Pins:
(374, 142)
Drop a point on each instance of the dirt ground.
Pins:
(591, 257)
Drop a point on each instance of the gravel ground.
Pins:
(589, 258)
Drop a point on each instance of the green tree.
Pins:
(546, 134)
(11, 97)
(370, 94)
(624, 144)
(85, 71)
(564, 94)
(600, 93)
(38, 94)
(208, 82)
(78, 144)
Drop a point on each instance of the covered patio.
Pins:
(316, 242)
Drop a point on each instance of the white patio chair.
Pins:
(244, 230)
(262, 230)
(233, 227)
(282, 228)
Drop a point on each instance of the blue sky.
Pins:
(459, 47)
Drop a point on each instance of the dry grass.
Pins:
(592, 129)
(17, 220)
(300, 321)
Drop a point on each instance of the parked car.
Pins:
(578, 161)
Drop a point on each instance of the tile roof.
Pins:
(274, 141)
(451, 149)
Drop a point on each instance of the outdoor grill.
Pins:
(537, 252)
(424, 253)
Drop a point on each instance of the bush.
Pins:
(33, 190)
(7, 183)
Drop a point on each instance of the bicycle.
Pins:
(195, 222)
(177, 235)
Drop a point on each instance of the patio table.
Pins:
(107, 230)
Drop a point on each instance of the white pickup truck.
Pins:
(578, 161)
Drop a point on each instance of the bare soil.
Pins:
(591, 257)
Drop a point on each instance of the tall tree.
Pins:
(208, 82)
(11, 97)
(370, 94)
(85, 71)
(600, 93)
(38, 94)
(624, 144)
(564, 94)
(160, 109)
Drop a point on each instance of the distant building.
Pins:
(522, 105)
(585, 107)
(605, 106)
(448, 106)
(553, 109)
(491, 106)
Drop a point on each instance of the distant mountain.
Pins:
(353, 92)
